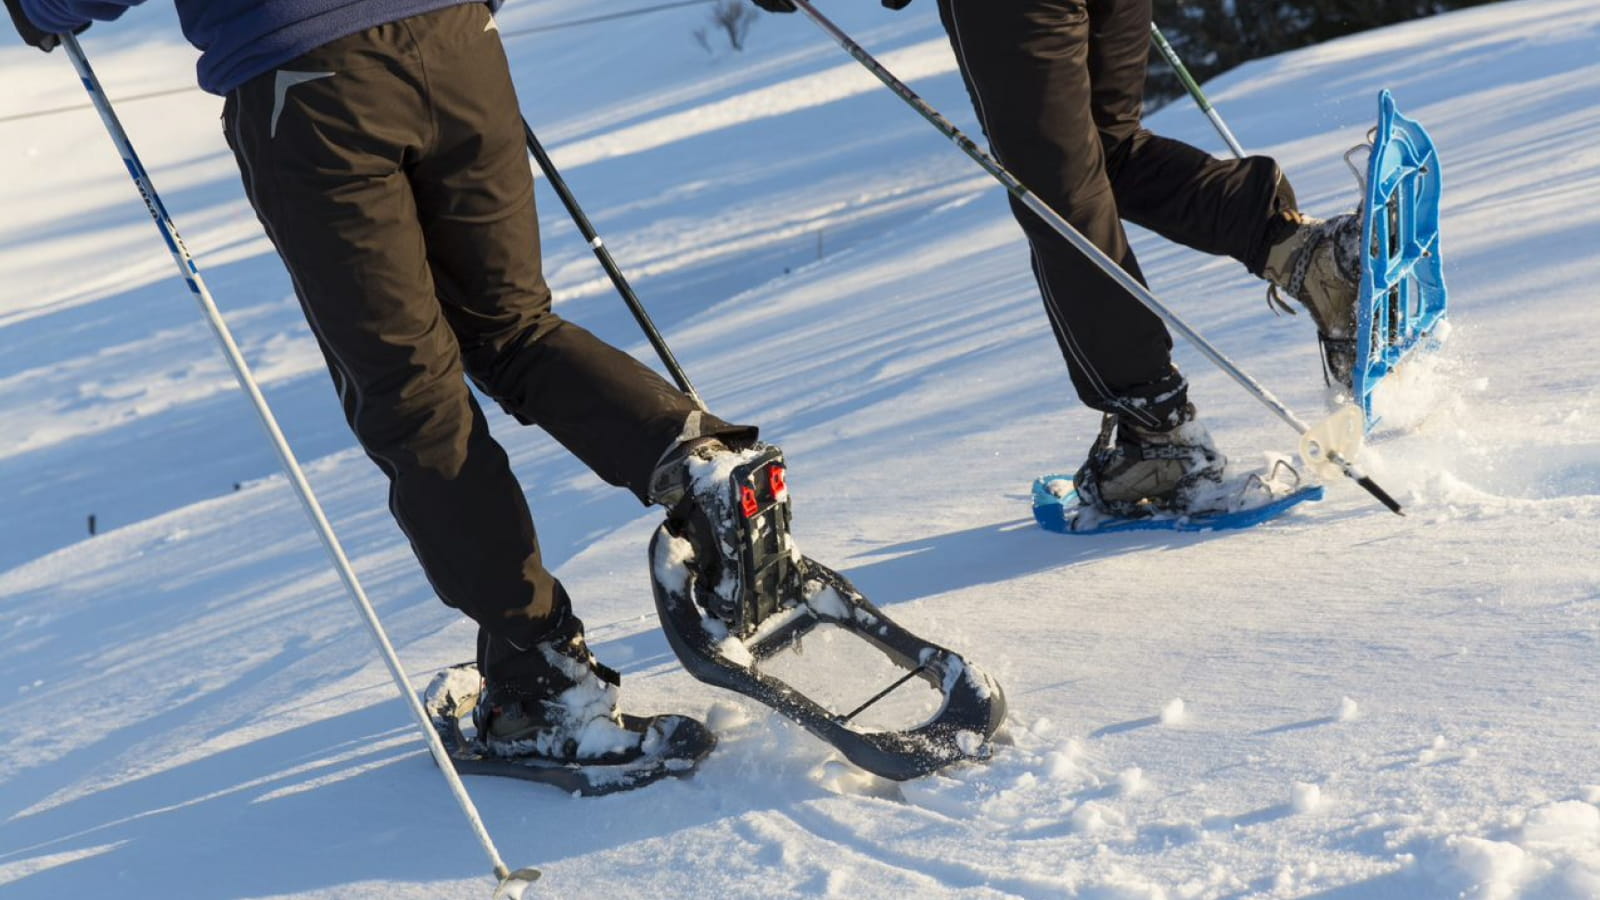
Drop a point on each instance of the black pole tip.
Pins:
(1382, 495)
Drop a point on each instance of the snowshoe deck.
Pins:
(1402, 297)
(1056, 507)
(972, 706)
(672, 745)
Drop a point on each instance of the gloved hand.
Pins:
(30, 33)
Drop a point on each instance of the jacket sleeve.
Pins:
(62, 16)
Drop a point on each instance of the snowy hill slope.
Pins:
(1372, 707)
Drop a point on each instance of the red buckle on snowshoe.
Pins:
(748, 501)
(776, 481)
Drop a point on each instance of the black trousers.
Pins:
(389, 169)
(1059, 88)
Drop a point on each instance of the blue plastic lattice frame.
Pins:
(1402, 297)
(1059, 512)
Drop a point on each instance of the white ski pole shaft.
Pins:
(191, 276)
(1193, 87)
(1082, 244)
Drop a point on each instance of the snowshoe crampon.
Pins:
(783, 600)
(1402, 298)
(668, 745)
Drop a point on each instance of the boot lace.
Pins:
(1297, 277)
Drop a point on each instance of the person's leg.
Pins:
(324, 146)
(1218, 206)
(475, 196)
(1243, 208)
(1026, 65)
(475, 200)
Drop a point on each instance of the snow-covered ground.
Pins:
(1343, 704)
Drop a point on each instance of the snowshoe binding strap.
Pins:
(1107, 453)
(737, 519)
(1338, 360)
(663, 746)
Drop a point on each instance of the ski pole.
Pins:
(548, 166)
(1193, 88)
(1311, 440)
(511, 884)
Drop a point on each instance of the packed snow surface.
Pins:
(1372, 706)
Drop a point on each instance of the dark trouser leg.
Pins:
(475, 201)
(355, 159)
(1217, 206)
(1027, 66)
(1222, 207)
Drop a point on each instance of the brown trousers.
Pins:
(1059, 88)
(389, 169)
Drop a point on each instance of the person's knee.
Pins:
(498, 364)
(422, 422)
(1118, 144)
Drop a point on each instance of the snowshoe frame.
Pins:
(1402, 296)
(780, 598)
(972, 709)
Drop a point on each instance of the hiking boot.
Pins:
(1318, 263)
(1135, 471)
(732, 506)
(555, 701)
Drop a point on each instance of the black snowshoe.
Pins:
(733, 592)
(652, 747)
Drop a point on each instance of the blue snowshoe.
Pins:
(1402, 297)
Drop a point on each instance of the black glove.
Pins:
(31, 35)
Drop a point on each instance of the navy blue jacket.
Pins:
(240, 39)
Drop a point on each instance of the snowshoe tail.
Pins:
(669, 745)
